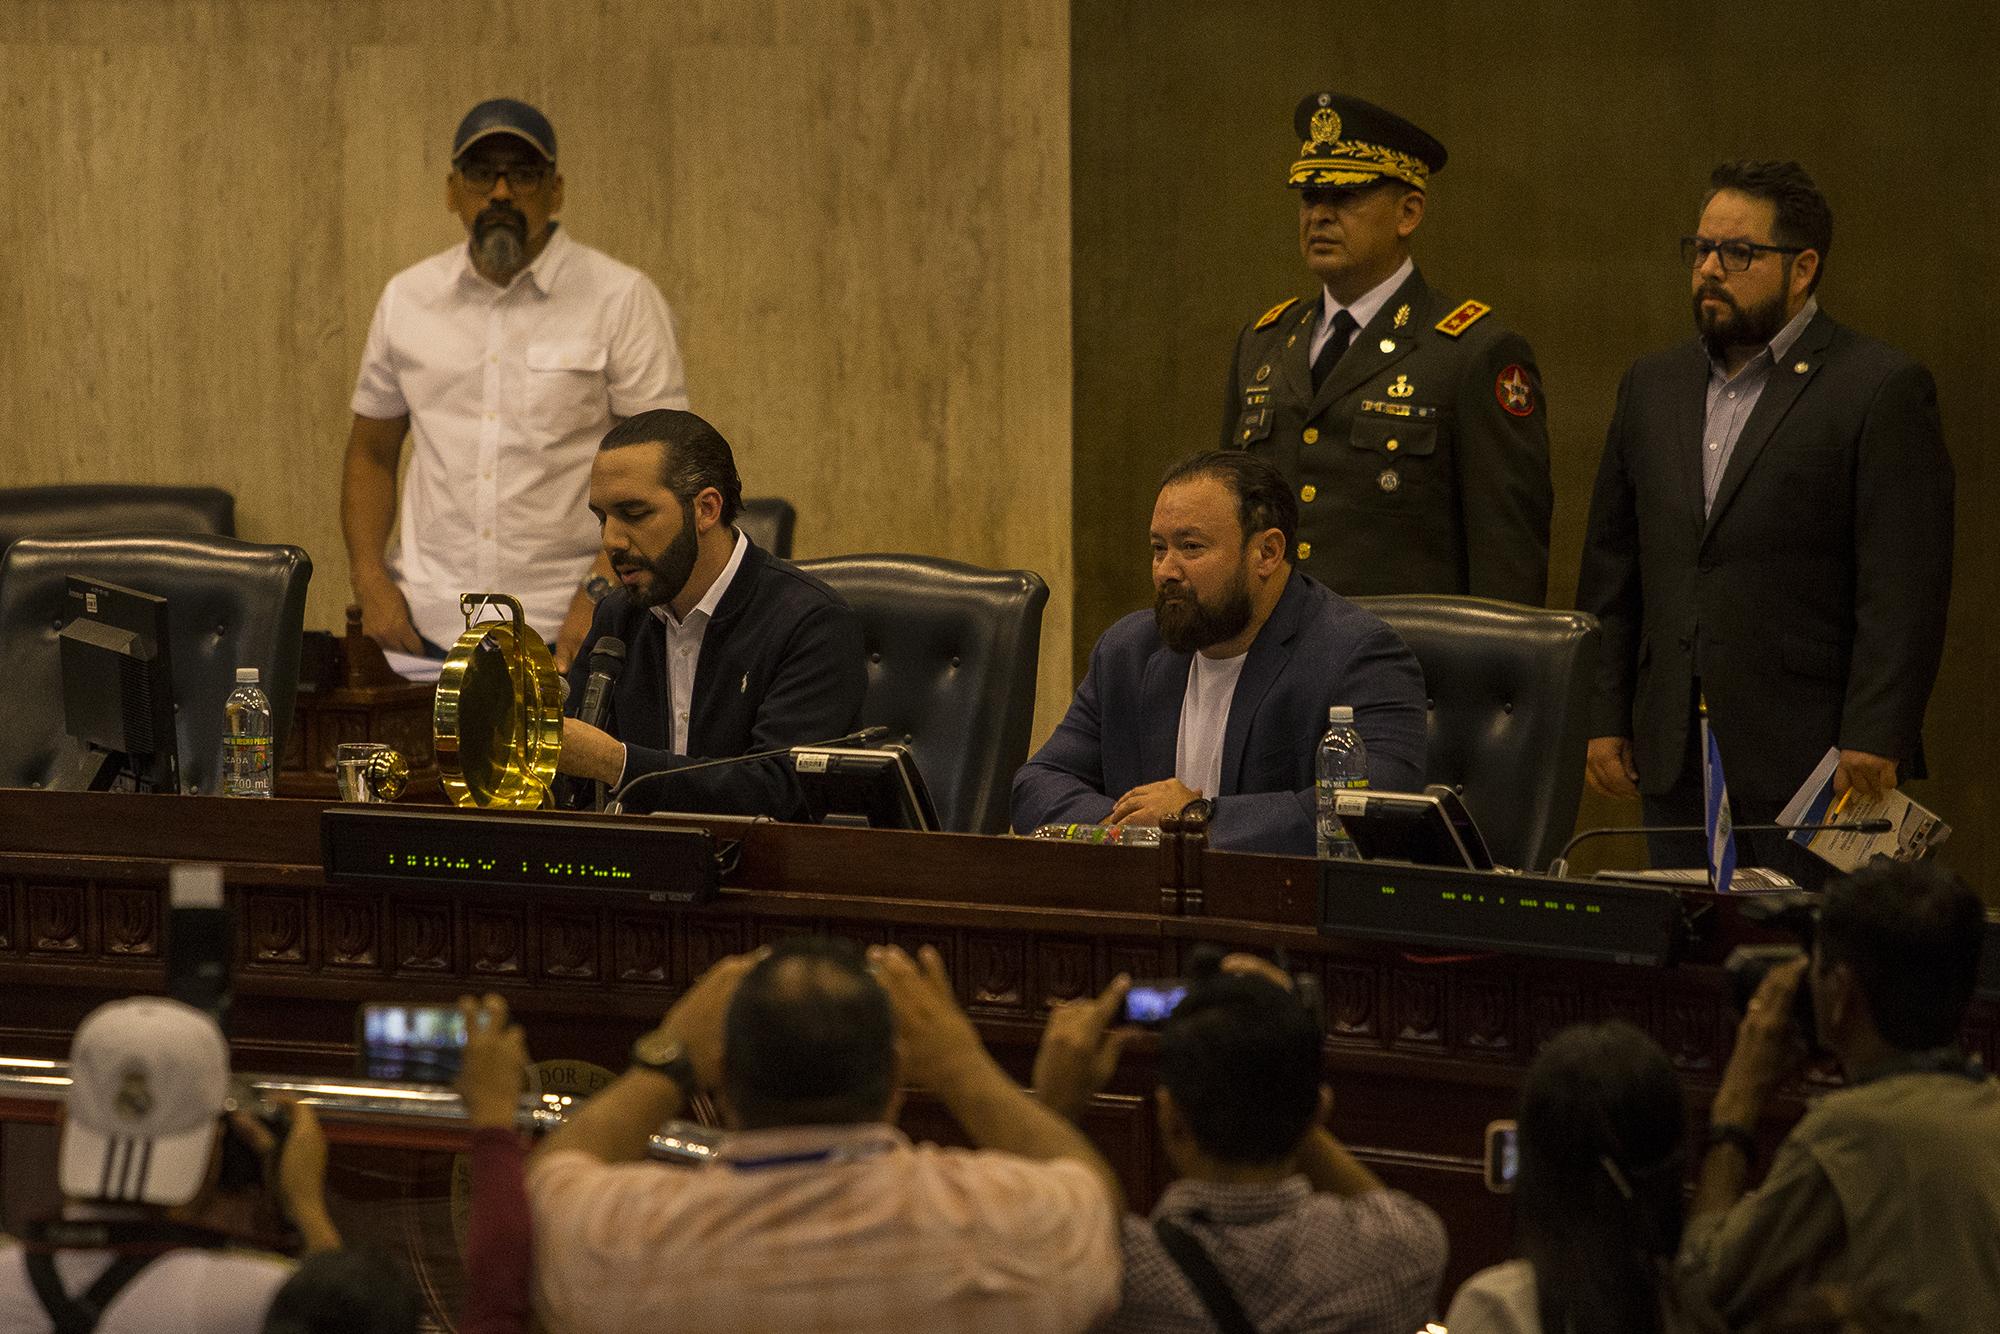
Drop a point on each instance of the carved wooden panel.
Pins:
(351, 931)
(1062, 972)
(57, 919)
(570, 946)
(1417, 1007)
(423, 936)
(709, 939)
(995, 973)
(9, 896)
(1691, 1031)
(274, 928)
(1552, 1007)
(771, 932)
(945, 942)
(1353, 1002)
(640, 948)
(1484, 1015)
(1633, 1006)
(495, 941)
(1134, 960)
(131, 918)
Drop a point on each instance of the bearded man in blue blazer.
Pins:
(1220, 694)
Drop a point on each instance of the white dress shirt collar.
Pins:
(1371, 303)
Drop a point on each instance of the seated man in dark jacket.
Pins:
(728, 650)
(1222, 692)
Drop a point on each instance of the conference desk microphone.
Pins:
(1560, 866)
(607, 663)
(865, 736)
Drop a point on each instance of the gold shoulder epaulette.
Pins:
(1270, 317)
(1467, 315)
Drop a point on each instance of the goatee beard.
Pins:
(500, 240)
(1188, 625)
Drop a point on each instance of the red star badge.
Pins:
(1515, 392)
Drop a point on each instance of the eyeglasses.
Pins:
(523, 178)
(1736, 256)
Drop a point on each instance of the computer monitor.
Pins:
(880, 788)
(118, 684)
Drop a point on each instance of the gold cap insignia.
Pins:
(1467, 315)
(1325, 131)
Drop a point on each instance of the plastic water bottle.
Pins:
(247, 761)
(1342, 764)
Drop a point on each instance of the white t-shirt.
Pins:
(1500, 1300)
(508, 392)
(182, 1292)
(1204, 718)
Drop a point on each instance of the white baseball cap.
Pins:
(148, 1080)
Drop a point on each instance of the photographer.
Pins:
(1272, 1224)
(818, 1214)
(1889, 1187)
(161, 1179)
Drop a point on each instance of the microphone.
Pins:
(607, 661)
(1560, 866)
(860, 737)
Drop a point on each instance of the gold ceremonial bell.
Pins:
(498, 716)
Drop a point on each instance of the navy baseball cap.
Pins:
(504, 115)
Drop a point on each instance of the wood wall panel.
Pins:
(859, 212)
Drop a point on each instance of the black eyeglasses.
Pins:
(524, 178)
(1736, 256)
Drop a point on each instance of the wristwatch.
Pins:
(596, 587)
(663, 1055)
(1201, 808)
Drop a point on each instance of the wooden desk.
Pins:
(1422, 1051)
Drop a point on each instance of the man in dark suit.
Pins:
(1221, 693)
(728, 650)
(1771, 531)
(1411, 427)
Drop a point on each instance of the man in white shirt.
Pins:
(137, 1243)
(504, 360)
(1221, 693)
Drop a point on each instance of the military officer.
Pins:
(1413, 426)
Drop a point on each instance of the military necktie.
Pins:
(1344, 326)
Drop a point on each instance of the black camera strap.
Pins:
(1187, 1252)
(134, 1243)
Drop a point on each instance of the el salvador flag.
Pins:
(1716, 820)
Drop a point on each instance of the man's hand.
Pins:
(939, 1044)
(1080, 1050)
(495, 1061)
(1249, 965)
(696, 1019)
(385, 614)
(1150, 803)
(1608, 767)
(1870, 776)
(590, 752)
(1769, 1047)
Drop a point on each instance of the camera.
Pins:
(1503, 1156)
(1748, 965)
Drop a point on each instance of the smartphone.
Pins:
(1503, 1156)
(421, 1044)
(1149, 1002)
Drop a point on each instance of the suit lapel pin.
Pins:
(1402, 315)
(1402, 388)
(1387, 345)
(1800, 367)
(1263, 372)
(744, 689)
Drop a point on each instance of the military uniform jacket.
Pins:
(1422, 464)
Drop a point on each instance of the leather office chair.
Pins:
(952, 654)
(1509, 712)
(230, 604)
(43, 511)
(768, 521)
